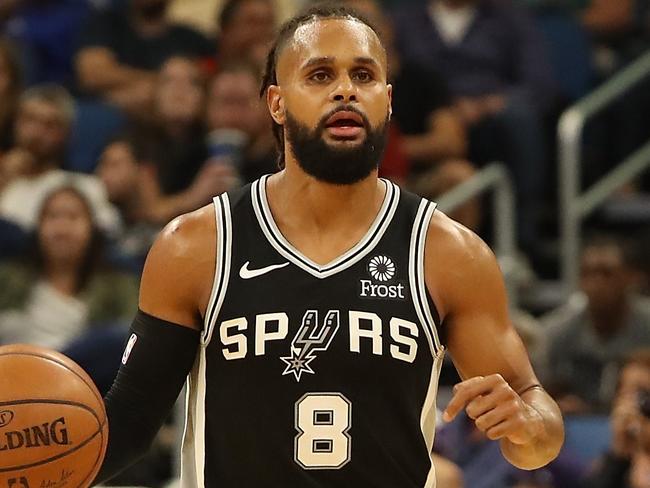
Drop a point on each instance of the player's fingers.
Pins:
(500, 430)
(465, 392)
(479, 406)
(495, 417)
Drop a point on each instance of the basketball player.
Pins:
(312, 308)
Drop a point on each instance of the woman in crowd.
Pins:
(62, 287)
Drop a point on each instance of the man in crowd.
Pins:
(121, 50)
(587, 340)
(45, 114)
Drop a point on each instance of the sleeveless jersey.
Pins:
(315, 376)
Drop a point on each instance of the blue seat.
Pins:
(569, 52)
(587, 436)
(95, 124)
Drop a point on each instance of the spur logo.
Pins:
(312, 337)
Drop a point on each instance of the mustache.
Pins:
(322, 124)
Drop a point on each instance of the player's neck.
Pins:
(320, 219)
(325, 204)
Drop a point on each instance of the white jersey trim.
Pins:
(416, 274)
(193, 450)
(349, 258)
(428, 416)
(222, 264)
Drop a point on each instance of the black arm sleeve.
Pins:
(156, 362)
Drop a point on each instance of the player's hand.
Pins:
(497, 410)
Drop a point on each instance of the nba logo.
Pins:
(129, 347)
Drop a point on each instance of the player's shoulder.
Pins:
(188, 237)
(454, 242)
(458, 264)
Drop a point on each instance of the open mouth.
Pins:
(345, 124)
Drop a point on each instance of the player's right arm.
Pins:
(164, 337)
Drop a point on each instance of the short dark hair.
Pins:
(330, 10)
(628, 249)
(228, 12)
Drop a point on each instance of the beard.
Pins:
(336, 165)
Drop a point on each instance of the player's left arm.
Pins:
(499, 391)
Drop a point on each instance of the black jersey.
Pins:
(315, 375)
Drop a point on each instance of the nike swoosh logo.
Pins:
(247, 274)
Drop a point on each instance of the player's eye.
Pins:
(320, 76)
(363, 76)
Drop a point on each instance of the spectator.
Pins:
(493, 60)
(10, 89)
(238, 122)
(42, 127)
(587, 340)
(65, 287)
(121, 50)
(121, 169)
(179, 179)
(246, 31)
(46, 31)
(613, 470)
(177, 124)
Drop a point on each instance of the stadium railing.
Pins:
(575, 204)
(494, 178)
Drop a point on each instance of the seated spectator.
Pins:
(122, 49)
(63, 287)
(176, 124)
(246, 30)
(47, 32)
(238, 123)
(32, 166)
(10, 89)
(613, 470)
(121, 168)
(588, 340)
(179, 179)
(493, 60)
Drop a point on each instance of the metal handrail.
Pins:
(493, 177)
(575, 205)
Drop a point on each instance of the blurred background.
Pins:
(527, 120)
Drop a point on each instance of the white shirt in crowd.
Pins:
(21, 201)
(452, 23)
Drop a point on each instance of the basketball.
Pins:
(53, 428)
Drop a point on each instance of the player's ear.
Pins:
(389, 87)
(275, 103)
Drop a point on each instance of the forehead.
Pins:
(603, 255)
(340, 40)
(238, 82)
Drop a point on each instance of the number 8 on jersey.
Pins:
(323, 421)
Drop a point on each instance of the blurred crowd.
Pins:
(118, 115)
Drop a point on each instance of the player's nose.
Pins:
(344, 91)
